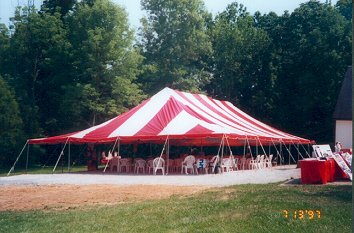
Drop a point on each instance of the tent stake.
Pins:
(13, 166)
(61, 153)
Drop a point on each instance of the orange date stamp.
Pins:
(302, 214)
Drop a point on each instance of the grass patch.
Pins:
(45, 170)
(242, 208)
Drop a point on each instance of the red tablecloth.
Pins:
(104, 161)
(317, 171)
(339, 174)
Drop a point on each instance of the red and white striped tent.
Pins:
(182, 118)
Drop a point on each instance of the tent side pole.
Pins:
(61, 153)
(168, 155)
(163, 149)
(290, 155)
(265, 153)
(269, 149)
(27, 157)
(298, 151)
(69, 158)
(278, 153)
(308, 154)
(249, 147)
(244, 149)
(222, 153)
(281, 152)
(13, 166)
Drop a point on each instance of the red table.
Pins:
(317, 171)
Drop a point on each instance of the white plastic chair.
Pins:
(189, 163)
(253, 163)
(213, 162)
(268, 161)
(260, 164)
(235, 164)
(242, 163)
(114, 162)
(140, 165)
(150, 166)
(158, 164)
(126, 164)
(226, 164)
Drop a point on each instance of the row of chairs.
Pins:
(189, 164)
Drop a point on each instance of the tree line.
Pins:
(73, 64)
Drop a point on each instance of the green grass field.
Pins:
(242, 208)
(44, 170)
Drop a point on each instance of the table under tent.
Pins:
(175, 118)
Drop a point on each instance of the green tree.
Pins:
(11, 133)
(175, 45)
(54, 6)
(345, 8)
(314, 47)
(105, 65)
(242, 61)
(4, 47)
(38, 66)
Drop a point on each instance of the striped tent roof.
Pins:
(183, 118)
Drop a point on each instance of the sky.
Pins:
(7, 7)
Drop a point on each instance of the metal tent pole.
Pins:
(308, 154)
(244, 149)
(281, 152)
(222, 153)
(290, 155)
(168, 155)
(13, 166)
(218, 155)
(61, 153)
(69, 158)
(164, 146)
(278, 153)
(27, 157)
(298, 151)
(249, 147)
(261, 146)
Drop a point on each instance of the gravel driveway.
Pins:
(275, 174)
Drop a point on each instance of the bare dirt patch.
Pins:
(22, 198)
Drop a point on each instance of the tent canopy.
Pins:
(183, 118)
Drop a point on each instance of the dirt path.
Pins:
(21, 198)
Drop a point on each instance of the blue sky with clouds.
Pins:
(7, 7)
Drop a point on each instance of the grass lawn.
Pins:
(44, 170)
(242, 208)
